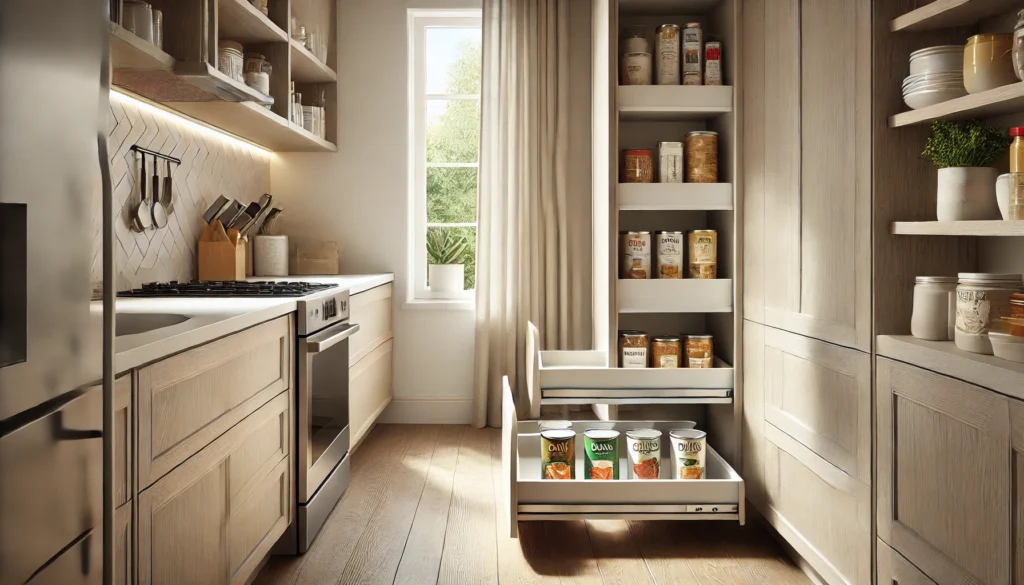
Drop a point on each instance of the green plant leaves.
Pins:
(445, 246)
(965, 144)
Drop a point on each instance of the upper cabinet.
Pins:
(807, 166)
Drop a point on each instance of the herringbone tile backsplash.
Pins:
(210, 166)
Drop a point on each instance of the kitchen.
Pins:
(251, 296)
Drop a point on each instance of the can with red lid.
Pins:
(637, 166)
(1017, 150)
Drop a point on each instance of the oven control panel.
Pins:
(322, 312)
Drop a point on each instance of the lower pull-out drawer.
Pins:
(718, 497)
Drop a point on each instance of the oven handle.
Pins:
(330, 337)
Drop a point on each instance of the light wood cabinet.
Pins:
(123, 455)
(943, 475)
(123, 546)
(372, 311)
(753, 411)
(822, 512)
(808, 155)
(820, 394)
(893, 569)
(190, 399)
(214, 518)
(370, 390)
(1017, 461)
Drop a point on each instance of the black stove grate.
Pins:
(212, 288)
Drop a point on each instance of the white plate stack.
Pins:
(936, 76)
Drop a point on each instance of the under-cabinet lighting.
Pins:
(187, 122)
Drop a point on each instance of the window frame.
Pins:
(419, 22)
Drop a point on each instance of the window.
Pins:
(445, 61)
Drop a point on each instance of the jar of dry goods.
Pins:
(703, 254)
(981, 301)
(636, 69)
(230, 61)
(632, 349)
(667, 39)
(637, 166)
(670, 162)
(666, 351)
(636, 255)
(634, 40)
(702, 157)
(934, 316)
(1017, 313)
(670, 254)
(700, 351)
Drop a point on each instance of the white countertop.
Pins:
(212, 318)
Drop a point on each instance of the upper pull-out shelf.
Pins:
(718, 497)
(673, 102)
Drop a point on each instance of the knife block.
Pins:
(221, 257)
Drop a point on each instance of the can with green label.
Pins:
(602, 450)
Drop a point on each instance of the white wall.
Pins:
(359, 197)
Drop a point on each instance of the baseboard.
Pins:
(754, 515)
(437, 410)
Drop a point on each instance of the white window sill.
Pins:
(440, 305)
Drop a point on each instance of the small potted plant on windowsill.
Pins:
(445, 269)
(965, 153)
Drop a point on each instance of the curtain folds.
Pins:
(523, 254)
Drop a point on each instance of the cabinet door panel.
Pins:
(370, 390)
(753, 411)
(893, 569)
(123, 454)
(123, 546)
(372, 311)
(820, 394)
(943, 493)
(1017, 438)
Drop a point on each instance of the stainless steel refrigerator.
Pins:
(55, 342)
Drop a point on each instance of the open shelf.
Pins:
(950, 13)
(675, 196)
(996, 227)
(128, 51)
(666, 7)
(673, 102)
(945, 358)
(1008, 99)
(720, 496)
(684, 295)
(238, 20)
(255, 124)
(306, 68)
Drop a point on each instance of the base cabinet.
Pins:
(123, 545)
(370, 390)
(944, 483)
(214, 518)
(893, 569)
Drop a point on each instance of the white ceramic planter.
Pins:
(967, 193)
(446, 277)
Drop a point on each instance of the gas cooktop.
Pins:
(211, 288)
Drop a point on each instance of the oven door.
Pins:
(323, 405)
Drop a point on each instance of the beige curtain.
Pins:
(523, 256)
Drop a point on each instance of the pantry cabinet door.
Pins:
(814, 229)
(893, 569)
(1017, 430)
(753, 411)
(943, 475)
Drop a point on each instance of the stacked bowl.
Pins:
(936, 76)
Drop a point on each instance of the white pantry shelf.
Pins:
(945, 358)
(675, 196)
(950, 13)
(641, 103)
(684, 295)
(1008, 99)
(995, 227)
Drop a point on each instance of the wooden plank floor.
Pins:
(424, 507)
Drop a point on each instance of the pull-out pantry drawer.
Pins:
(188, 400)
(718, 497)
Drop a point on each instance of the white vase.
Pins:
(1003, 185)
(446, 277)
(967, 193)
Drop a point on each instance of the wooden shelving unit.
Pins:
(184, 77)
(950, 13)
(673, 102)
(958, 228)
(675, 196)
(1000, 101)
(684, 295)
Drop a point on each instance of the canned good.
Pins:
(636, 255)
(547, 425)
(702, 157)
(602, 449)
(670, 254)
(636, 69)
(632, 349)
(667, 351)
(637, 166)
(712, 63)
(634, 40)
(703, 254)
(700, 351)
(667, 48)
(670, 162)
(558, 454)
(644, 446)
(693, 45)
(689, 453)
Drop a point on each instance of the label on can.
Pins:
(713, 63)
(693, 46)
(558, 454)
(670, 254)
(670, 167)
(689, 454)
(636, 69)
(602, 448)
(644, 446)
(667, 48)
(634, 357)
(636, 255)
(703, 256)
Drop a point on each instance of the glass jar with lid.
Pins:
(934, 316)
(666, 351)
(982, 300)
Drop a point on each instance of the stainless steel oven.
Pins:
(322, 465)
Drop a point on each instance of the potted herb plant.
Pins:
(445, 269)
(965, 153)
